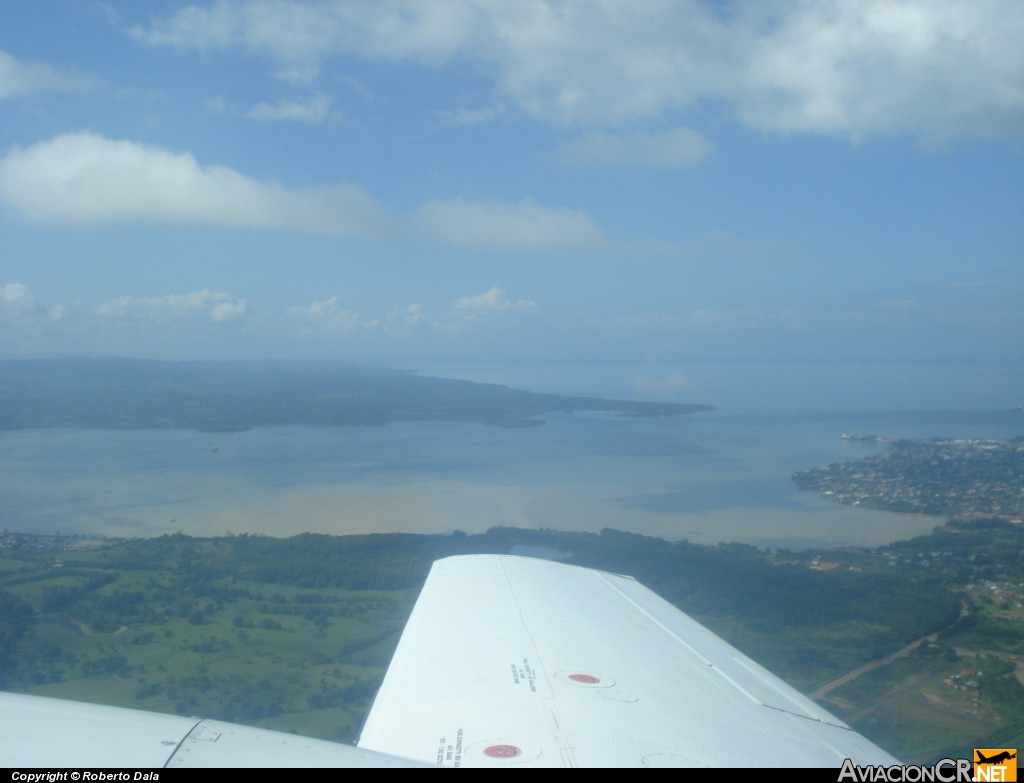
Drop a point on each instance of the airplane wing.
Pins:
(510, 661)
(505, 661)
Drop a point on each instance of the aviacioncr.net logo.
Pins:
(995, 764)
(944, 771)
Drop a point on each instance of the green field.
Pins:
(295, 634)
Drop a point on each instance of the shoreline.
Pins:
(430, 508)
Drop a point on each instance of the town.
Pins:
(959, 479)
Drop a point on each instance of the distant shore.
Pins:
(232, 397)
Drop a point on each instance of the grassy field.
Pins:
(292, 659)
(295, 634)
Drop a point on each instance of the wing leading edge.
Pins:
(509, 661)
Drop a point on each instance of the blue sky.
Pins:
(484, 182)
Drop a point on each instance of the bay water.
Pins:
(708, 477)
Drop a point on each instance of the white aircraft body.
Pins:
(505, 662)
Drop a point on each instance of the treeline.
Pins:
(723, 585)
(969, 550)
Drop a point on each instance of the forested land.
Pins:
(296, 633)
(225, 396)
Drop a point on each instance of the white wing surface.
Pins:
(40, 732)
(509, 661)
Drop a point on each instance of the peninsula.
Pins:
(233, 396)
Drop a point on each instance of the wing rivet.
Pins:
(503, 751)
(586, 679)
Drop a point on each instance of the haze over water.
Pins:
(651, 188)
(718, 476)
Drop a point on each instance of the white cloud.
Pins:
(329, 314)
(217, 307)
(676, 148)
(21, 318)
(411, 316)
(523, 226)
(939, 68)
(86, 178)
(228, 310)
(494, 300)
(313, 110)
(16, 296)
(26, 325)
(489, 311)
(19, 78)
(484, 313)
(303, 33)
(182, 325)
(933, 67)
(18, 303)
(216, 27)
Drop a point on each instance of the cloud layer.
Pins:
(214, 306)
(86, 178)
(933, 67)
(19, 78)
(187, 323)
(493, 300)
(329, 315)
(218, 323)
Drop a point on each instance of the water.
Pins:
(772, 388)
(707, 478)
